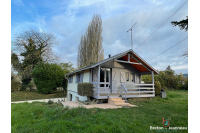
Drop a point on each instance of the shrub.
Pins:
(47, 77)
(31, 85)
(15, 85)
(85, 89)
(23, 87)
(50, 102)
(64, 84)
(164, 88)
(157, 87)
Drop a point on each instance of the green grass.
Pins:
(24, 95)
(43, 117)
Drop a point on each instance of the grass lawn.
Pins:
(25, 95)
(43, 117)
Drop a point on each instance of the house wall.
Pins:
(116, 75)
(72, 87)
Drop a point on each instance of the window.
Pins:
(79, 78)
(104, 76)
(70, 79)
(130, 77)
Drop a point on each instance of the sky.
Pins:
(68, 20)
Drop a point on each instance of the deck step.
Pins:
(119, 101)
(115, 98)
(122, 104)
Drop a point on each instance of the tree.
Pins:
(67, 68)
(90, 49)
(47, 77)
(33, 47)
(183, 24)
(15, 82)
(168, 79)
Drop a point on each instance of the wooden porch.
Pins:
(127, 90)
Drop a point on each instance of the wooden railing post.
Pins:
(98, 84)
(152, 78)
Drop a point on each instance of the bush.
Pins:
(47, 77)
(15, 85)
(85, 89)
(50, 102)
(64, 84)
(23, 87)
(157, 87)
(31, 85)
(164, 88)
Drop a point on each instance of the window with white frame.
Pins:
(70, 79)
(79, 77)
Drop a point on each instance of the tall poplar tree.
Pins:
(90, 49)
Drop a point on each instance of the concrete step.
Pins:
(122, 104)
(119, 101)
(116, 98)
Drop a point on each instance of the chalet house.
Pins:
(116, 76)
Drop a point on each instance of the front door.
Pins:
(105, 74)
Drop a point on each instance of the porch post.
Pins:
(91, 75)
(152, 79)
(140, 78)
(98, 81)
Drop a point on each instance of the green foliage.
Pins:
(67, 67)
(31, 85)
(146, 78)
(183, 24)
(168, 79)
(157, 88)
(23, 87)
(34, 46)
(185, 86)
(85, 89)
(15, 85)
(64, 84)
(47, 77)
(26, 95)
(50, 102)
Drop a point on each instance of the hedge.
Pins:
(157, 87)
(85, 89)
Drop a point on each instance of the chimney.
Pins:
(109, 55)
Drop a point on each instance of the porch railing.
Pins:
(101, 88)
(137, 90)
(122, 86)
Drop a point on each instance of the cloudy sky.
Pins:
(68, 20)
